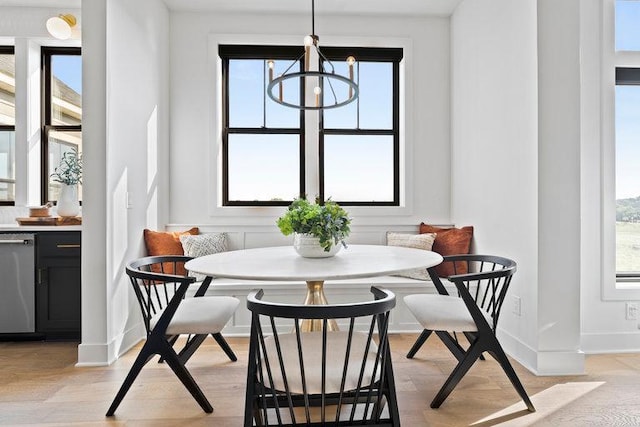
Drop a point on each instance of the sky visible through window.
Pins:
(262, 168)
(627, 105)
(68, 68)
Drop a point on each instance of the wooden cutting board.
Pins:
(50, 220)
(37, 220)
(68, 220)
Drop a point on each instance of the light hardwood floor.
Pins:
(39, 385)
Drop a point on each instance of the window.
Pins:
(627, 144)
(263, 143)
(360, 142)
(7, 125)
(61, 112)
(627, 125)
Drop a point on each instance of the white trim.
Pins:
(611, 342)
(104, 354)
(406, 124)
(542, 363)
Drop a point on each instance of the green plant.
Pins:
(328, 222)
(69, 171)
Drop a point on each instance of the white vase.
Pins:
(68, 204)
(308, 246)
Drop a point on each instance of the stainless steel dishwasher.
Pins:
(17, 283)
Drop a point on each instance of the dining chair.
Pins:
(167, 314)
(325, 377)
(474, 312)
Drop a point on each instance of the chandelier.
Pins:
(322, 78)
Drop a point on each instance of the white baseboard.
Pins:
(611, 342)
(104, 354)
(542, 363)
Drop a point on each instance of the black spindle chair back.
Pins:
(486, 279)
(320, 378)
(155, 295)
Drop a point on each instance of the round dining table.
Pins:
(282, 263)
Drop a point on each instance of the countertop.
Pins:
(15, 227)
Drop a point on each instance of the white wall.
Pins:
(494, 146)
(195, 131)
(559, 206)
(126, 144)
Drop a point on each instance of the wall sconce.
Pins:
(60, 26)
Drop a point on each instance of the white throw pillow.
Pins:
(418, 241)
(203, 244)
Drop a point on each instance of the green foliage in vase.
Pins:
(69, 171)
(328, 222)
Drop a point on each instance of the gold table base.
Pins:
(315, 296)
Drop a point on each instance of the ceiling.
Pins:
(72, 4)
(349, 7)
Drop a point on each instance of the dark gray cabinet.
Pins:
(58, 284)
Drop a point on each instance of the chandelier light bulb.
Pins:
(350, 61)
(317, 92)
(271, 65)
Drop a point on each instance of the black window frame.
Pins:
(8, 50)
(47, 127)
(258, 52)
(627, 76)
(367, 54)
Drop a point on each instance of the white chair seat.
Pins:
(312, 359)
(442, 313)
(201, 315)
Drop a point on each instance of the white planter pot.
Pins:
(68, 204)
(309, 247)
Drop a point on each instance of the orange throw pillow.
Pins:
(450, 241)
(166, 243)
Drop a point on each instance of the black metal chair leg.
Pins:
(172, 359)
(419, 342)
(190, 347)
(142, 359)
(474, 351)
(503, 360)
(225, 346)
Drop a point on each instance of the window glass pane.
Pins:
(264, 167)
(7, 90)
(248, 80)
(375, 101)
(343, 117)
(7, 166)
(66, 90)
(61, 142)
(627, 178)
(627, 25)
(358, 168)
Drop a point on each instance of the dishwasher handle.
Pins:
(14, 241)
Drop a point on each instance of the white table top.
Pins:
(283, 263)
